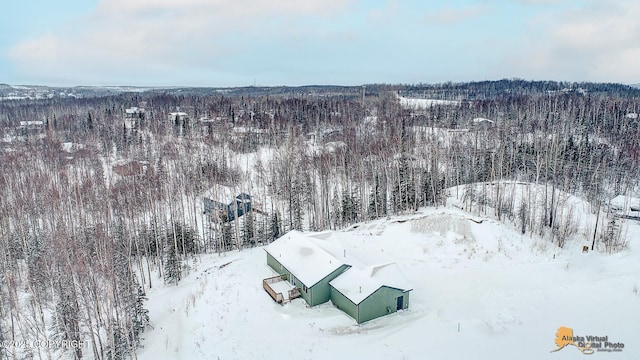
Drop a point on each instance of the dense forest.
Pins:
(101, 197)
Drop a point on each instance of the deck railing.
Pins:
(294, 293)
(278, 297)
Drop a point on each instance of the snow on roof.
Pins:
(357, 283)
(133, 110)
(303, 257)
(481, 120)
(31, 123)
(625, 202)
(332, 242)
(415, 103)
(222, 194)
(71, 147)
(332, 146)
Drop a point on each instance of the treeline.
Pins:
(95, 209)
(502, 89)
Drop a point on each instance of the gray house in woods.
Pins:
(625, 204)
(311, 267)
(221, 203)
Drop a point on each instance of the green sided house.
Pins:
(366, 294)
(311, 267)
(301, 261)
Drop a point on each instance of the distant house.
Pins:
(220, 203)
(132, 115)
(130, 168)
(323, 136)
(37, 124)
(482, 123)
(31, 127)
(314, 267)
(625, 206)
(311, 136)
(178, 116)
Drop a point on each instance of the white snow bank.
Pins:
(413, 103)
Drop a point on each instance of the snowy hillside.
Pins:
(414, 103)
(481, 290)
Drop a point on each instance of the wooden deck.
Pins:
(273, 286)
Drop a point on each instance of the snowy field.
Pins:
(481, 291)
(415, 103)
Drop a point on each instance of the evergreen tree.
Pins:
(274, 226)
(172, 264)
(350, 208)
(403, 194)
(186, 238)
(4, 350)
(262, 230)
(227, 235)
(469, 196)
(612, 234)
(119, 346)
(89, 122)
(36, 260)
(431, 189)
(523, 216)
(66, 322)
(130, 297)
(336, 211)
(377, 201)
(139, 315)
(248, 230)
(297, 208)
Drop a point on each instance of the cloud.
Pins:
(129, 38)
(456, 15)
(386, 13)
(538, 2)
(229, 8)
(600, 42)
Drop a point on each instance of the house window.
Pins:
(304, 288)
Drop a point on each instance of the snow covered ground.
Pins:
(415, 103)
(481, 290)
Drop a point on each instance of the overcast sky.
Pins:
(297, 42)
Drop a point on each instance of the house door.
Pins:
(400, 303)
